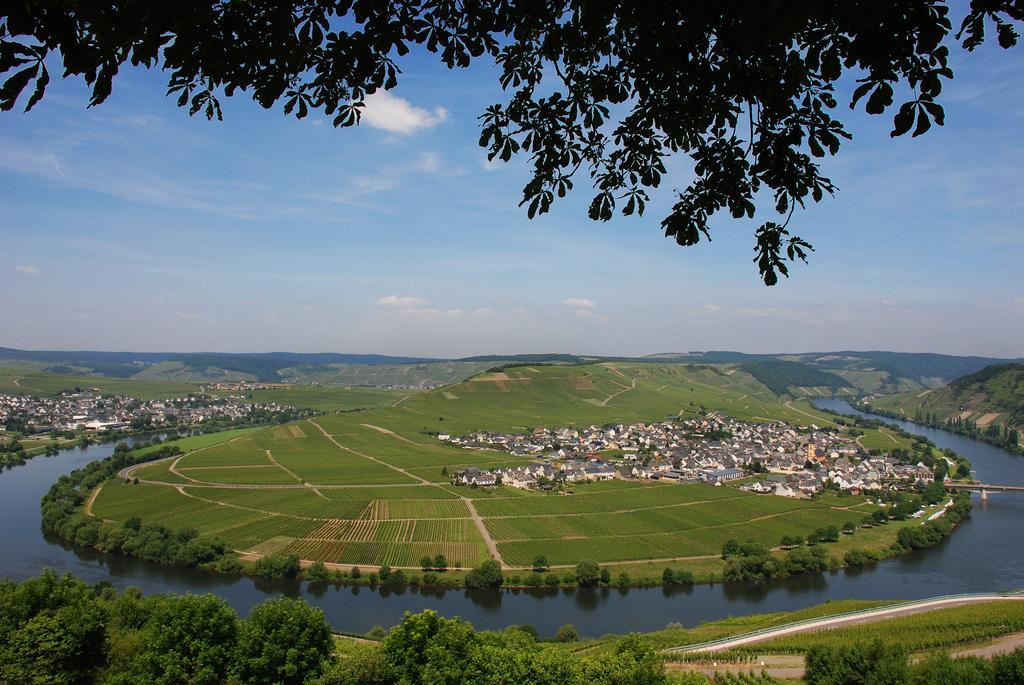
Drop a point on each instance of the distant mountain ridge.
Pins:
(261, 366)
(797, 374)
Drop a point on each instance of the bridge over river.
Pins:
(984, 488)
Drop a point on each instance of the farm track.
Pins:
(92, 498)
(605, 401)
(422, 481)
(279, 465)
(492, 548)
(393, 434)
(615, 511)
(765, 517)
(197, 490)
(801, 411)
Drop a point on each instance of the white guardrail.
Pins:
(711, 644)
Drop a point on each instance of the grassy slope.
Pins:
(19, 381)
(329, 397)
(996, 390)
(617, 521)
(322, 397)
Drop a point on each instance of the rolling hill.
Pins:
(876, 372)
(992, 396)
(811, 374)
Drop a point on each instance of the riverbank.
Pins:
(875, 537)
(283, 636)
(949, 567)
(53, 445)
(969, 430)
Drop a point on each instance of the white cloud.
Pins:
(1019, 301)
(429, 163)
(30, 269)
(581, 302)
(400, 301)
(587, 314)
(419, 308)
(711, 308)
(372, 184)
(28, 160)
(395, 115)
(432, 312)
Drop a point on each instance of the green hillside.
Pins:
(865, 372)
(30, 382)
(872, 372)
(794, 378)
(992, 396)
(307, 396)
(371, 488)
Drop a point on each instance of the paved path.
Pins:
(839, 621)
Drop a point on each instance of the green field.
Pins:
(30, 382)
(328, 398)
(367, 487)
(992, 396)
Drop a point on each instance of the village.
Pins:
(713, 449)
(92, 411)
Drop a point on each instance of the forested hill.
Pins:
(782, 377)
(869, 372)
(992, 396)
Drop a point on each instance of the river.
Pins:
(980, 556)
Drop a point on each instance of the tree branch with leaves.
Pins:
(745, 90)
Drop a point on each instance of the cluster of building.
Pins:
(90, 410)
(713, 449)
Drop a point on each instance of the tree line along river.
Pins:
(981, 555)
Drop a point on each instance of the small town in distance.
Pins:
(796, 461)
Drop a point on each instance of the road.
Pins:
(840, 621)
(792, 666)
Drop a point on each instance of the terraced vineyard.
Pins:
(369, 488)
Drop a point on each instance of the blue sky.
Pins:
(131, 226)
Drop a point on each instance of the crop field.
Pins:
(328, 397)
(36, 382)
(367, 488)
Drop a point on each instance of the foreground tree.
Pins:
(283, 641)
(745, 90)
(187, 639)
(51, 630)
